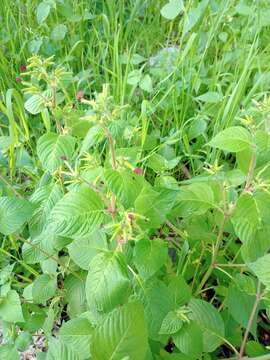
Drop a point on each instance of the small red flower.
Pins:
(18, 78)
(79, 95)
(131, 217)
(137, 171)
(23, 68)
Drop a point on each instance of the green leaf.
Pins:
(261, 269)
(59, 32)
(124, 185)
(107, 283)
(194, 199)
(210, 321)
(43, 11)
(154, 206)
(172, 9)
(77, 334)
(10, 308)
(35, 104)
(194, 15)
(39, 248)
(154, 251)
(232, 139)
(240, 306)
(122, 335)
(61, 351)
(210, 97)
(83, 250)
(157, 303)
(9, 352)
(146, 83)
(78, 213)
(180, 291)
(14, 213)
(53, 148)
(134, 77)
(44, 288)
(189, 340)
(75, 295)
(171, 323)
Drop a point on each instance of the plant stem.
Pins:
(251, 168)
(250, 321)
(10, 186)
(214, 255)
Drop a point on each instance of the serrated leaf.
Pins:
(59, 32)
(180, 291)
(77, 334)
(172, 9)
(78, 213)
(189, 340)
(261, 269)
(35, 104)
(53, 148)
(232, 139)
(14, 213)
(210, 321)
(150, 256)
(107, 283)
(124, 185)
(154, 206)
(44, 288)
(60, 351)
(83, 250)
(43, 11)
(75, 295)
(171, 323)
(122, 335)
(10, 308)
(39, 248)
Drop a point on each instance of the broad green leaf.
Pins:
(44, 288)
(23, 340)
(240, 306)
(44, 198)
(39, 248)
(134, 77)
(256, 246)
(75, 295)
(77, 333)
(59, 32)
(14, 213)
(194, 15)
(107, 283)
(122, 335)
(154, 251)
(157, 302)
(180, 291)
(154, 206)
(146, 83)
(9, 352)
(189, 340)
(10, 308)
(78, 213)
(58, 350)
(210, 321)
(194, 199)
(83, 250)
(210, 97)
(35, 104)
(43, 11)
(53, 148)
(232, 139)
(261, 269)
(124, 185)
(172, 9)
(171, 324)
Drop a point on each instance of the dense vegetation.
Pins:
(134, 179)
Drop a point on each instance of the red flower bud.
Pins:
(22, 68)
(79, 95)
(18, 78)
(137, 171)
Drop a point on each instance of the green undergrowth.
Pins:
(134, 179)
